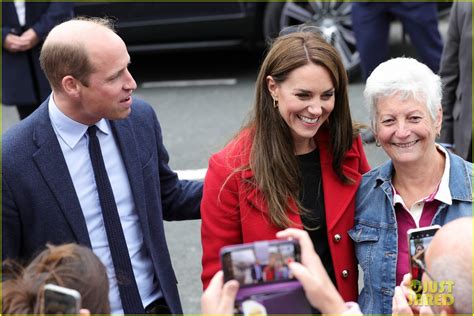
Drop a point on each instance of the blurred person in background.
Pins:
(421, 185)
(25, 25)
(456, 74)
(296, 163)
(70, 265)
(371, 25)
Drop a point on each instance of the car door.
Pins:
(175, 25)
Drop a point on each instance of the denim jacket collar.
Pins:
(459, 178)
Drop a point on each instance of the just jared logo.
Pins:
(431, 293)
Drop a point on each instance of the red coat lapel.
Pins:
(337, 196)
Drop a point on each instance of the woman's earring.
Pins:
(377, 143)
(275, 103)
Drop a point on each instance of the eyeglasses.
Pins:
(417, 259)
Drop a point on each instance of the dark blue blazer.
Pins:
(40, 204)
(18, 77)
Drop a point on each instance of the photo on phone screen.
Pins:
(418, 242)
(60, 300)
(260, 262)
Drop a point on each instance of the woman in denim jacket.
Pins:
(422, 184)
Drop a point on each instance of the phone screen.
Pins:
(418, 242)
(260, 262)
(59, 300)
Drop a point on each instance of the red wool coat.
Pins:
(232, 215)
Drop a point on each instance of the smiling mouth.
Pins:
(307, 119)
(406, 145)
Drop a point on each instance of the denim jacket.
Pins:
(375, 229)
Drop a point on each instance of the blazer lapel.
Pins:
(9, 13)
(124, 136)
(52, 165)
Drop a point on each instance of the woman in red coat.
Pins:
(296, 163)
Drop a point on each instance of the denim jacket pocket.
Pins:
(365, 240)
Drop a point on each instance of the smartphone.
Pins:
(60, 300)
(260, 262)
(418, 242)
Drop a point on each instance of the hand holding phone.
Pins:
(318, 287)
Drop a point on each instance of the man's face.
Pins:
(108, 93)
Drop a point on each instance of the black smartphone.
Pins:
(418, 242)
(60, 300)
(260, 262)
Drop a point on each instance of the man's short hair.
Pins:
(457, 270)
(59, 59)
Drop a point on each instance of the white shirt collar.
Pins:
(69, 130)
(444, 193)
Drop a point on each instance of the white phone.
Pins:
(60, 300)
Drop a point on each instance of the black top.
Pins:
(312, 199)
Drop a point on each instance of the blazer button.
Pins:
(345, 274)
(337, 238)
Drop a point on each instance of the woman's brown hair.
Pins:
(272, 157)
(71, 265)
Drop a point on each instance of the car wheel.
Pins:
(333, 19)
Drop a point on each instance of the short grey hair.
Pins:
(406, 77)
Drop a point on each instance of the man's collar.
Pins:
(69, 130)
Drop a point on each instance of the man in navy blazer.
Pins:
(49, 192)
(24, 84)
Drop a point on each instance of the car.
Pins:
(177, 26)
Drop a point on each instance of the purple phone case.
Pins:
(278, 298)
